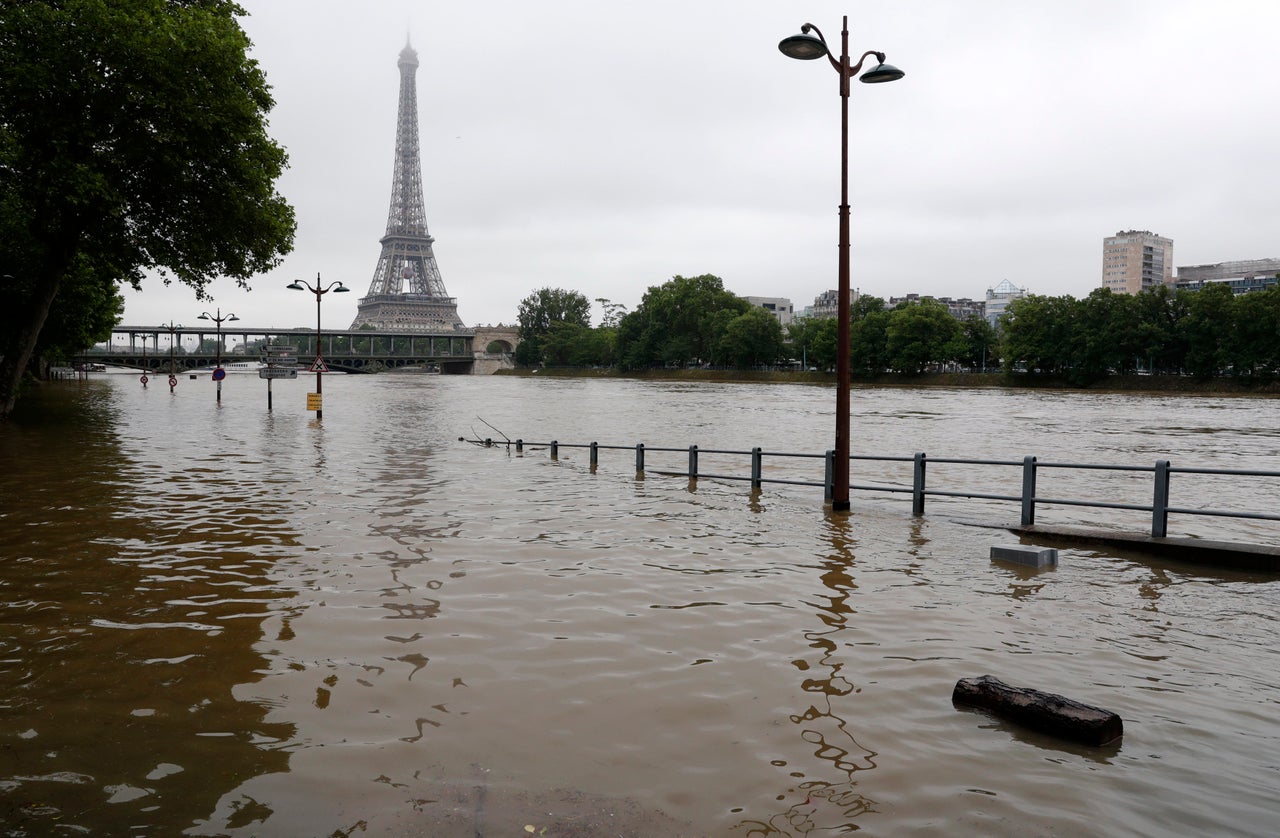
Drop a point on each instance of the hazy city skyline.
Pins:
(606, 149)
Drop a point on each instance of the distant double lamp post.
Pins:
(218, 372)
(808, 47)
(319, 365)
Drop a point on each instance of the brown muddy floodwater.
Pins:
(219, 621)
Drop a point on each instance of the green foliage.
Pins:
(679, 322)
(1254, 343)
(869, 335)
(1206, 328)
(549, 319)
(1205, 333)
(133, 137)
(812, 341)
(752, 339)
(919, 334)
(979, 344)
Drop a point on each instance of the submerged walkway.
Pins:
(1200, 551)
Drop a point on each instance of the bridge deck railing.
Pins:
(795, 469)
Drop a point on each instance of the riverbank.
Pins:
(1155, 384)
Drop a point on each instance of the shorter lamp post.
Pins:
(218, 372)
(143, 378)
(318, 366)
(173, 332)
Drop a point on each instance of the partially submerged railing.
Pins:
(1028, 498)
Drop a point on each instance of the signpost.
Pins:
(277, 372)
(280, 364)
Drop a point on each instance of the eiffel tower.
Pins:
(407, 293)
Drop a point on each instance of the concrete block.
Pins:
(1025, 554)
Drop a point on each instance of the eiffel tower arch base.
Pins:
(409, 313)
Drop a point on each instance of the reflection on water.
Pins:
(219, 621)
(132, 600)
(831, 806)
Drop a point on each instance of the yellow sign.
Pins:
(313, 401)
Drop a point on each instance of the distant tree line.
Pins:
(1206, 333)
(694, 321)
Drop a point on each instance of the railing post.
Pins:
(693, 462)
(1028, 491)
(757, 467)
(1160, 505)
(595, 456)
(917, 485)
(639, 459)
(555, 450)
(519, 446)
(829, 479)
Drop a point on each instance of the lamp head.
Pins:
(295, 286)
(204, 316)
(881, 73)
(341, 289)
(804, 46)
(231, 317)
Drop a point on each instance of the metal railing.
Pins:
(1028, 498)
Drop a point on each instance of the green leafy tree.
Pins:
(1036, 334)
(1253, 344)
(1106, 337)
(869, 335)
(541, 312)
(89, 307)
(1161, 347)
(752, 339)
(919, 334)
(133, 137)
(678, 322)
(980, 344)
(1206, 328)
(611, 312)
(812, 341)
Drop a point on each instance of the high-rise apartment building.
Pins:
(1135, 260)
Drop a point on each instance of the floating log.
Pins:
(1045, 712)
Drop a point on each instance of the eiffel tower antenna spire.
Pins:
(407, 291)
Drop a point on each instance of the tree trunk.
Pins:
(20, 347)
(1045, 712)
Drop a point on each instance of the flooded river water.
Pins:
(222, 621)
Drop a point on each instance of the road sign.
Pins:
(319, 365)
(313, 401)
(278, 372)
(173, 381)
(219, 374)
(144, 379)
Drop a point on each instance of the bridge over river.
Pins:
(479, 350)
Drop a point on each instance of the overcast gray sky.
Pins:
(605, 147)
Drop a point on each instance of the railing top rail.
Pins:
(1096, 466)
(1233, 472)
(1041, 464)
(967, 462)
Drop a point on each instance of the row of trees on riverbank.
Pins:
(695, 321)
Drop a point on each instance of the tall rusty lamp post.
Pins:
(337, 287)
(218, 372)
(807, 47)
